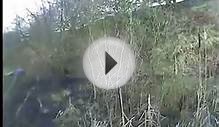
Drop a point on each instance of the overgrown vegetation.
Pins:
(176, 83)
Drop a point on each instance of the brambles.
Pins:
(176, 82)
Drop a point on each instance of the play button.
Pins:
(109, 63)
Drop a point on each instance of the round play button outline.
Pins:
(95, 63)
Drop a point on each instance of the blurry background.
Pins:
(176, 43)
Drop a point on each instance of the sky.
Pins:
(11, 8)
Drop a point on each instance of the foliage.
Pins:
(175, 84)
